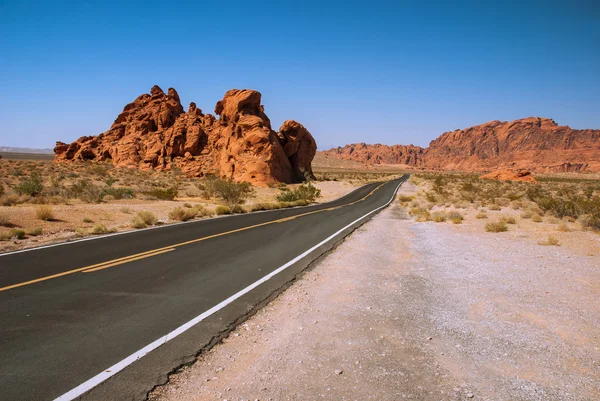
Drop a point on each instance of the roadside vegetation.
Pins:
(40, 200)
(557, 201)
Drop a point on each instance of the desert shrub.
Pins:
(188, 205)
(509, 220)
(162, 193)
(125, 210)
(455, 217)
(100, 229)
(563, 227)
(536, 218)
(118, 193)
(34, 232)
(550, 241)
(590, 222)
(31, 185)
(1, 190)
(307, 192)
(481, 215)
(229, 191)
(496, 227)
(44, 213)
(526, 215)
(405, 198)
(439, 217)
(86, 191)
(221, 210)
(183, 214)
(147, 217)
(494, 207)
(16, 233)
(238, 209)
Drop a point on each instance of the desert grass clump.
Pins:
(125, 210)
(4, 220)
(439, 217)
(183, 214)
(34, 232)
(162, 193)
(16, 233)
(551, 241)
(494, 207)
(144, 219)
(563, 227)
(221, 210)
(455, 217)
(536, 218)
(481, 215)
(508, 220)
(87, 220)
(405, 198)
(117, 193)
(496, 227)
(526, 214)
(99, 229)
(44, 213)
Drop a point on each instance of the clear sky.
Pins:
(350, 71)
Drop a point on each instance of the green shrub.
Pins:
(31, 185)
(86, 191)
(163, 193)
(497, 227)
(306, 192)
(231, 192)
(221, 210)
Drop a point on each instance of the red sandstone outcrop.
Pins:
(378, 154)
(535, 144)
(154, 132)
(510, 175)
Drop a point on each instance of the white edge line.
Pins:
(95, 237)
(119, 366)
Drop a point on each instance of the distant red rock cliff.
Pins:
(154, 132)
(535, 144)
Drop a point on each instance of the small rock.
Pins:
(339, 371)
(470, 395)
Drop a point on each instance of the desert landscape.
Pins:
(302, 201)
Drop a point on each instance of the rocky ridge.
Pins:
(536, 144)
(155, 132)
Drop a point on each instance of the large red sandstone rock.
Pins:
(535, 144)
(154, 132)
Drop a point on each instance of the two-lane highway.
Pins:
(108, 318)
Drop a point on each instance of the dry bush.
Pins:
(494, 207)
(536, 218)
(405, 198)
(306, 192)
(99, 229)
(439, 217)
(455, 217)
(508, 220)
(526, 215)
(87, 220)
(230, 192)
(13, 234)
(221, 210)
(34, 232)
(4, 220)
(44, 213)
(148, 218)
(496, 227)
(563, 227)
(183, 214)
(481, 215)
(550, 241)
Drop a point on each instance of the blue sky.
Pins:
(377, 71)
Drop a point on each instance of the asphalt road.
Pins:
(74, 315)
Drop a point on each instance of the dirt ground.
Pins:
(423, 311)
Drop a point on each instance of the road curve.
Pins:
(77, 317)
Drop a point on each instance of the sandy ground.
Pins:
(422, 311)
(117, 215)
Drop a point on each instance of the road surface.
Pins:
(109, 318)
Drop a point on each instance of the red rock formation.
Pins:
(378, 154)
(535, 144)
(510, 175)
(154, 132)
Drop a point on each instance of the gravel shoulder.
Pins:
(423, 311)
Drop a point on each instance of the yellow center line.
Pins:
(158, 251)
(106, 266)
